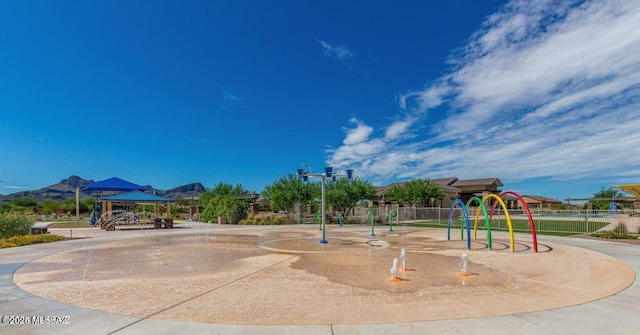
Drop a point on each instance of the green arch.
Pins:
(487, 222)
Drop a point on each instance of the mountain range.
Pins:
(66, 189)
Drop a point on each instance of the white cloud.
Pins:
(399, 129)
(16, 187)
(229, 96)
(542, 89)
(335, 51)
(433, 96)
(358, 134)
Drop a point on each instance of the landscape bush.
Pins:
(278, 220)
(17, 241)
(621, 228)
(14, 224)
(352, 220)
(614, 235)
(264, 220)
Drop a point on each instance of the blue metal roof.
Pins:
(137, 196)
(113, 184)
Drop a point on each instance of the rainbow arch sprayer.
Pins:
(488, 216)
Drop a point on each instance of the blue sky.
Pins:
(541, 94)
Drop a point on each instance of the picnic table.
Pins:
(159, 223)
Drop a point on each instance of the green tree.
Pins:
(344, 194)
(68, 205)
(224, 200)
(284, 193)
(603, 198)
(49, 207)
(24, 205)
(87, 204)
(24, 202)
(420, 192)
(183, 204)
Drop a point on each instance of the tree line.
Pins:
(287, 192)
(25, 205)
(282, 195)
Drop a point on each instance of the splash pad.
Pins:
(488, 216)
(281, 275)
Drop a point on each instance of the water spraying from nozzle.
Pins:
(464, 265)
(394, 271)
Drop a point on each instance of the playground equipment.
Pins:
(466, 221)
(109, 219)
(532, 224)
(488, 216)
(372, 218)
(319, 217)
(487, 222)
(392, 214)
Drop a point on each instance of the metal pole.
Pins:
(371, 218)
(78, 206)
(324, 240)
(392, 214)
(305, 175)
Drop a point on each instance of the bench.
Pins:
(40, 228)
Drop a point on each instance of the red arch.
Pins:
(526, 209)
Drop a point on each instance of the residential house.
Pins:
(453, 188)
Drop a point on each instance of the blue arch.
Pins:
(466, 221)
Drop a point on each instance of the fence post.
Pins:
(586, 218)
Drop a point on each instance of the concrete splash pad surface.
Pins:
(272, 277)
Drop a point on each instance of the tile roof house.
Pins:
(540, 202)
(453, 188)
(477, 187)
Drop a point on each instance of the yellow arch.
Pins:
(506, 213)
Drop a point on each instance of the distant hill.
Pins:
(66, 189)
(193, 190)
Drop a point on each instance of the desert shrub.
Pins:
(266, 220)
(278, 220)
(621, 228)
(17, 241)
(351, 220)
(14, 224)
(612, 234)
